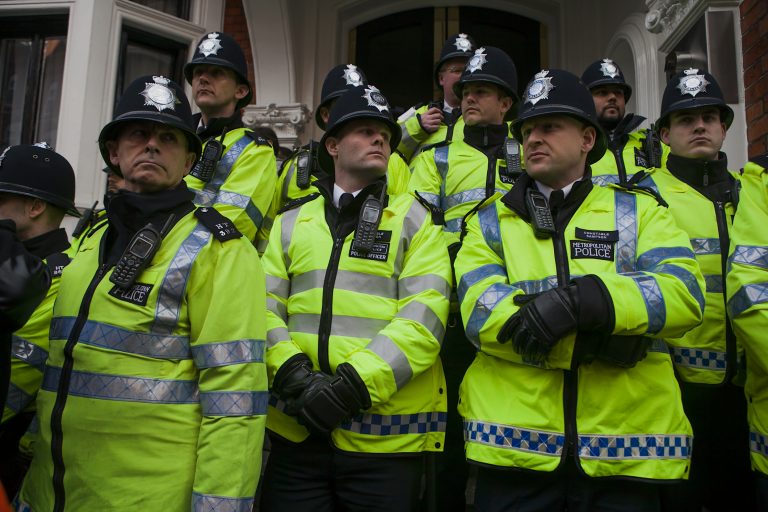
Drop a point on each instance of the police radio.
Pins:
(512, 159)
(85, 221)
(306, 165)
(206, 166)
(541, 217)
(652, 147)
(368, 223)
(139, 253)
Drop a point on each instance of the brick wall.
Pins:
(236, 26)
(754, 27)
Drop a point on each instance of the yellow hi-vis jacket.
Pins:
(384, 314)
(416, 139)
(747, 286)
(154, 397)
(615, 421)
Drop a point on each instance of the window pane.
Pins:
(49, 99)
(178, 8)
(146, 60)
(15, 59)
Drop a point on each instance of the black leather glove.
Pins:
(327, 401)
(292, 377)
(621, 351)
(541, 322)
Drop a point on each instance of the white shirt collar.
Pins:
(337, 191)
(544, 189)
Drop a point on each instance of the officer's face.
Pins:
(215, 89)
(483, 103)
(449, 74)
(361, 148)
(695, 133)
(609, 103)
(151, 156)
(555, 149)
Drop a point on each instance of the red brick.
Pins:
(756, 91)
(754, 12)
(758, 128)
(752, 73)
(754, 111)
(756, 52)
(749, 37)
(757, 149)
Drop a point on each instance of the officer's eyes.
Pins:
(168, 137)
(138, 134)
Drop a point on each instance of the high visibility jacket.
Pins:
(154, 397)
(747, 287)
(242, 185)
(455, 177)
(626, 153)
(614, 421)
(708, 353)
(384, 314)
(415, 138)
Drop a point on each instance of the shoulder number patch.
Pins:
(221, 227)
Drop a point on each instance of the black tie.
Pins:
(556, 199)
(345, 199)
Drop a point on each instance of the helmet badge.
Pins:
(692, 83)
(210, 46)
(352, 76)
(375, 98)
(159, 95)
(539, 88)
(462, 43)
(43, 144)
(477, 61)
(609, 68)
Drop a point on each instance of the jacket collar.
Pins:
(627, 125)
(486, 136)
(699, 173)
(217, 125)
(48, 243)
(515, 198)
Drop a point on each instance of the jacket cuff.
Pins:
(596, 311)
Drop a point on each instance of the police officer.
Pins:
(302, 168)
(358, 286)
(630, 148)
(154, 391)
(455, 176)
(236, 173)
(562, 284)
(703, 197)
(37, 188)
(747, 286)
(436, 121)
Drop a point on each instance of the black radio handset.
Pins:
(306, 165)
(140, 251)
(212, 152)
(368, 222)
(512, 159)
(541, 217)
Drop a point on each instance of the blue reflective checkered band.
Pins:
(635, 447)
(97, 334)
(484, 306)
(475, 194)
(234, 403)
(538, 286)
(754, 255)
(224, 167)
(453, 225)
(28, 352)
(432, 199)
(475, 276)
(749, 295)
(758, 443)
(441, 162)
(714, 283)
(697, 358)
(229, 198)
(171, 294)
(654, 301)
(489, 225)
(123, 388)
(659, 345)
(209, 503)
(705, 246)
(650, 260)
(605, 179)
(626, 224)
(397, 424)
(514, 438)
(17, 399)
(224, 353)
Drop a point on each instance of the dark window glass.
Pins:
(31, 70)
(178, 8)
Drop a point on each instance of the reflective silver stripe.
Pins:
(276, 335)
(749, 295)
(411, 144)
(123, 388)
(229, 198)
(353, 326)
(475, 276)
(17, 399)
(97, 334)
(288, 222)
(261, 245)
(413, 221)
(209, 503)
(441, 162)
(278, 286)
(388, 350)
(224, 353)
(234, 403)
(397, 424)
(510, 437)
(224, 167)
(703, 246)
(284, 198)
(367, 284)
(475, 194)
(697, 358)
(408, 286)
(714, 283)
(654, 301)
(629, 447)
(171, 294)
(486, 302)
(605, 179)
(433, 199)
(754, 255)
(277, 308)
(423, 314)
(626, 224)
(489, 225)
(28, 352)
(758, 443)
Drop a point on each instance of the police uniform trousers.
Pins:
(565, 489)
(313, 476)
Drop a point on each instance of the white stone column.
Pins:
(288, 120)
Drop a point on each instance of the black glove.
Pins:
(292, 377)
(541, 322)
(621, 351)
(327, 401)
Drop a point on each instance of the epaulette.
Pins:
(298, 202)
(761, 160)
(258, 139)
(221, 227)
(438, 215)
(56, 263)
(632, 185)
